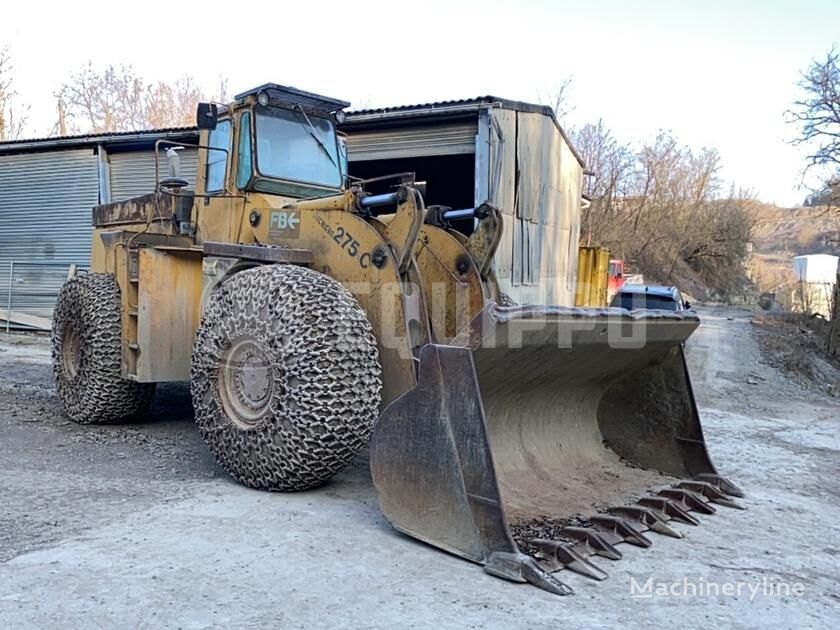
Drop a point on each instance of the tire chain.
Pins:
(97, 393)
(325, 369)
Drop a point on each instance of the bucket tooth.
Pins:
(569, 557)
(648, 517)
(518, 567)
(721, 483)
(688, 500)
(593, 541)
(616, 529)
(712, 493)
(670, 507)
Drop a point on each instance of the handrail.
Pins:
(17, 264)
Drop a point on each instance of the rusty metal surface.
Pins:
(450, 280)
(167, 313)
(260, 253)
(148, 239)
(402, 231)
(152, 208)
(484, 241)
(433, 469)
(572, 423)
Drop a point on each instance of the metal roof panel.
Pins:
(90, 139)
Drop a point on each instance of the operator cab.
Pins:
(286, 143)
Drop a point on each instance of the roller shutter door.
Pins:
(45, 223)
(410, 142)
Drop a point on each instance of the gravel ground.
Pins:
(136, 526)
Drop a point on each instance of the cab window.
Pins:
(217, 159)
(245, 160)
(294, 146)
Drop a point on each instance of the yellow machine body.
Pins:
(502, 426)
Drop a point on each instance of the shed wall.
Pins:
(536, 181)
(133, 173)
(45, 223)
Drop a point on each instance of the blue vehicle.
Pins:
(646, 296)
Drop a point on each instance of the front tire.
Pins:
(285, 377)
(87, 354)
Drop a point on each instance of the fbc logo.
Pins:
(284, 224)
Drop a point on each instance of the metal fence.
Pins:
(28, 291)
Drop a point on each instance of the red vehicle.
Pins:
(616, 277)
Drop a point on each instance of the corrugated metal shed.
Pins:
(361, 118)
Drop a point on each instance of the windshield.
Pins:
(293, 146)
(632, 301)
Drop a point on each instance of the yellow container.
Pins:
(592, 276)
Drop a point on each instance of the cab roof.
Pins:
(294, 96)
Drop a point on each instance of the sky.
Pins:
(715, 73)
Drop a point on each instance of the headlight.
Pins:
(262, 98)
(340, 116)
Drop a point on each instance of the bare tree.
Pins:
(109, 100)
(610, 167)
(659, 208)
(118, 99)
(818, 116)
(559, 99)
(12, 117)
(172, 105)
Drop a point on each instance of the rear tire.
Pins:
(87, 353)
(285, 377)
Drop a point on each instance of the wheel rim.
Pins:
(245, 382)
(71, 351)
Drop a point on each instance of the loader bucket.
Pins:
(545, 435)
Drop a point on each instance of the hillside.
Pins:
(796, 230)
(780, 234)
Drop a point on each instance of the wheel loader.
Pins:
(313, 318)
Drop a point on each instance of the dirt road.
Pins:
(136, 526)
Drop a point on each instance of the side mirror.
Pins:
(686, 305)
(206, 116)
